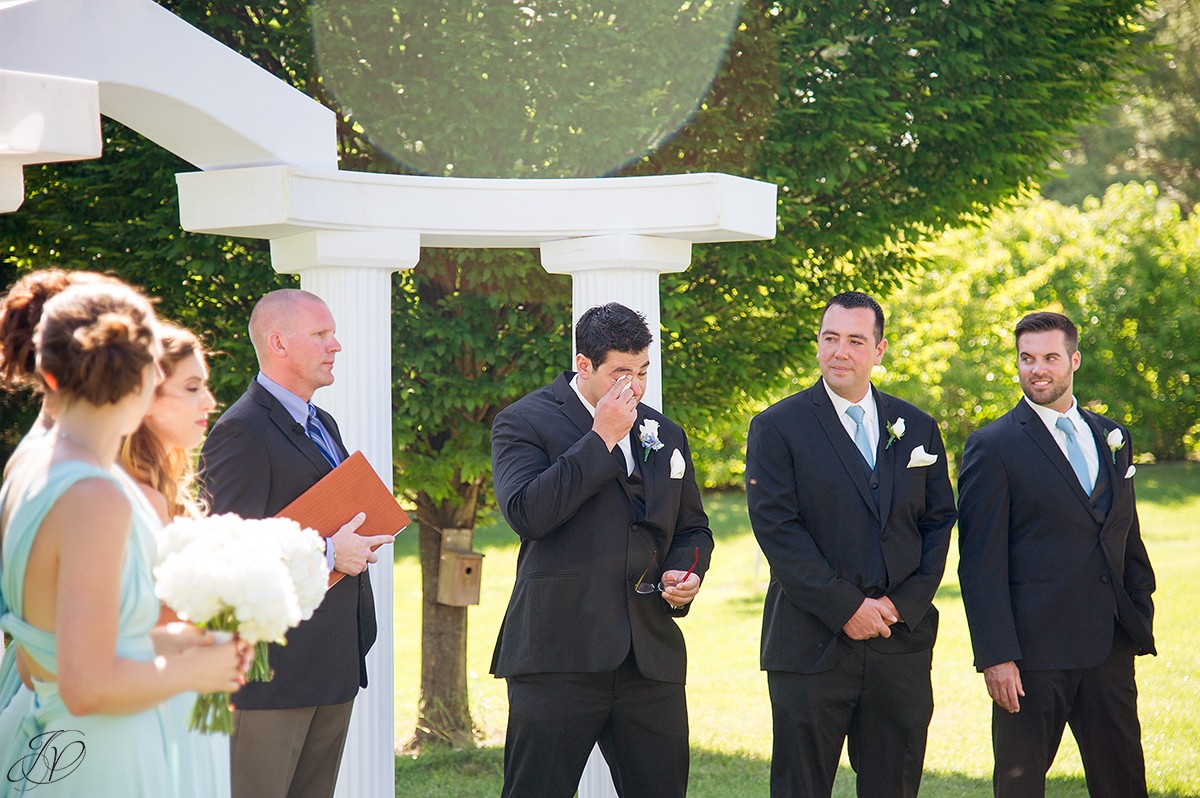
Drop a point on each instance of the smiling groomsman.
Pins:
(1055, 578)
(614, 541)
(851, 503)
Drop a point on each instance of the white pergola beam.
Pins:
(43, 119)
(278, 201)
(170, 82)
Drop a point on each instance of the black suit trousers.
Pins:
(554, 719)
(1100, 706)
(880, 703)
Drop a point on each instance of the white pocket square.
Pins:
(1132, 470)
(921, 458)
(677, 465)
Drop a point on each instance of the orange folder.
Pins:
(347, 490)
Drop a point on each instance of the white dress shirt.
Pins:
(624, 444)
(870, 415)
(1083, 435)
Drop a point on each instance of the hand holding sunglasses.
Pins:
(676, 590)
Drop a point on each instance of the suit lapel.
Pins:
(847, 452)
(1037, 431)
(569, 404)
(885, 456)
(292, 430)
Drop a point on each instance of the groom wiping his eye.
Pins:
(614, 543)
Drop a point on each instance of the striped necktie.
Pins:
(313, 428)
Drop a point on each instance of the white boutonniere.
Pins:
(895, 431)
(648, 435)
(1116, 442)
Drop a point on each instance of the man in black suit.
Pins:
(851, 502)
(269, 447)
(614, 543)
(1055, 578)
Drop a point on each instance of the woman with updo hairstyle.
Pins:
(158, 456)
(76, 588)
(20, 311)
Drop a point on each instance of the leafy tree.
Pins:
(1150, 133)
(879, 124)
(1124, 269)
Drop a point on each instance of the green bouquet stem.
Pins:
(211, 714)
(260, 671)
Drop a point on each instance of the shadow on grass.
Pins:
(441, 773)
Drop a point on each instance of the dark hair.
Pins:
(610, 328)
(1046, 321)
(95, 340)
(852, 300)
(20, 311)
(143, 455)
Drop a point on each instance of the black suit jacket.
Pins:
(1044, 570)
(835, 534)
(256, 461)
(584, 541)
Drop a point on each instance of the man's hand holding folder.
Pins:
(352, 551)
(352, 490)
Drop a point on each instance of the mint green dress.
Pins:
(53, 753)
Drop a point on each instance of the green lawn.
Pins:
(727, 694)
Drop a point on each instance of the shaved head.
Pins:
(294, 338)
(276, 313)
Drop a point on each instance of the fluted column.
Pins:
(352, 271)
(625, 269)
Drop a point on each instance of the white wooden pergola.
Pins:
(267, 157)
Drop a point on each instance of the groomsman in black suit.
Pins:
(266, 450)
(1055, 578)
(614, 542)
(851, 503)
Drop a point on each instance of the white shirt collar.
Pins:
(867, 403)
(297, 408)
(870, 413)
(1050, 417)
(575, 387)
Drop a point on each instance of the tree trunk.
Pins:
(444, 715)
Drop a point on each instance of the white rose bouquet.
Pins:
(256, 578)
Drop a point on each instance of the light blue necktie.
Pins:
(856, 413)
(313, 428)
(1075, 453)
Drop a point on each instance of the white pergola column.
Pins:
(624, 269)
(352, 272)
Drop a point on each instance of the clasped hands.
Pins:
(873, 618)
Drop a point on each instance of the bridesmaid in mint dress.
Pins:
(158, 458)
(76, 590)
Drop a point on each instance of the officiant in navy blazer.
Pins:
(614, 542)
(851, 502)
(1055, 577)
(267, 449)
